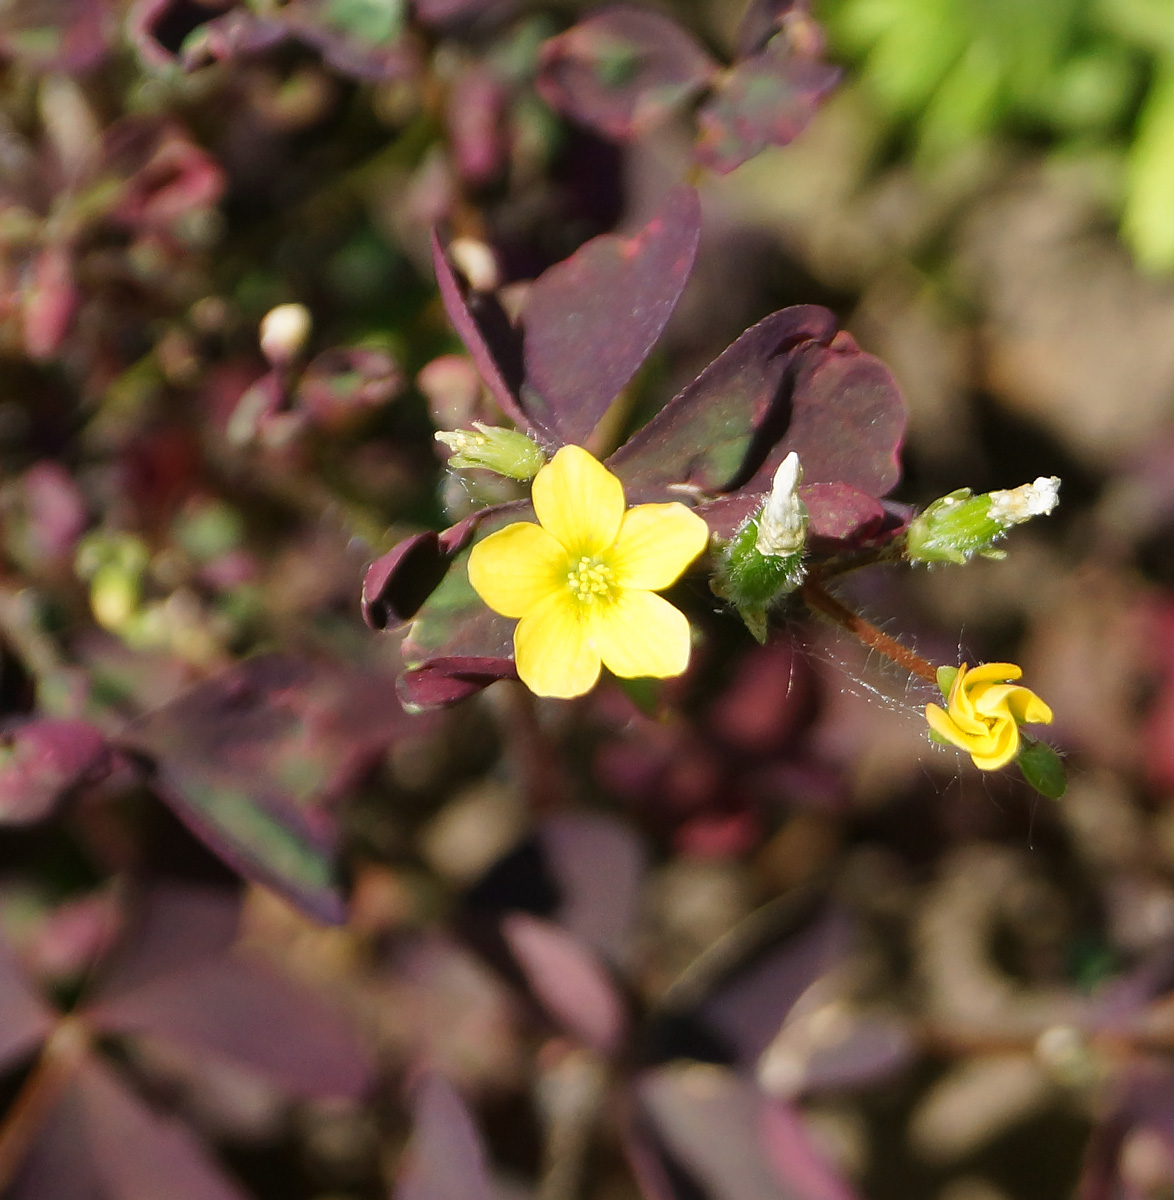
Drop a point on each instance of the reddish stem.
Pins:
(865, 631)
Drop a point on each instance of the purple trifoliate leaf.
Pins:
(42, 761)
(399, 582)
(704, 435)
(591, 320)
(622, 70)
(445, 1159)
(24, 1019)
(342, 383)
(599, 865)
(57, 35)
(568, 980)
(846, 420)
(492, 341)
(58, 1163)
(252, 760)
(139, 1152)
(441, 682)
(247, 1014)
(709, 1119)
(765, 100)
(748, 1006)
(801, 1169)
(172, 928)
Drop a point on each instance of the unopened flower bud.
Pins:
(477, 263)
(782, 524)
(284, 331)
(492, 448)
(960, 525)
(763, 561)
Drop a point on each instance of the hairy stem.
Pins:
(821, 601)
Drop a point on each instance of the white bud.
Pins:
(782, 527)
(284, 330)
(477, 263)
(1016, 505)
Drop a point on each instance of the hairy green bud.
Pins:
(492, 448)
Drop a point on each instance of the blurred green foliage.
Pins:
(1083, 76)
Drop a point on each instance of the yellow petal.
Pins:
(990, 700)
(579, 501)
(553, 651)
(1027, 708)
(1002, 748)
(939, 721)
(640, 633)
(656, 543)
(993, 673)
(515, 568)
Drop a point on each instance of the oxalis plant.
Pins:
(765, 477)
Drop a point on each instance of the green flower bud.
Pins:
(763, 561)
(491, 448)
(962, 524)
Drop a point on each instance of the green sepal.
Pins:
(1042, 767)
(946, 677)
(644, 692)
(938, 740)
(953, 529)
(751, 581)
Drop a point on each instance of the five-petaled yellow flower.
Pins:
(984, 711)
(582, 580)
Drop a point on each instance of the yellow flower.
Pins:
(582, 580)
(984, 711)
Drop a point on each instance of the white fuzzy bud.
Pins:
(1016, 505)
(782, 527)
(284, 331)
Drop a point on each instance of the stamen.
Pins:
(589, 580)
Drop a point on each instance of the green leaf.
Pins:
(373, 21)
(1148, 223)
(1042, 768)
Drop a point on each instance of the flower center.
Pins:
(590, 580)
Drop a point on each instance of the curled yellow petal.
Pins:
(640, 633)
(517, 567)
(579, 501)
(655, 544)
(984, 711)
(553, 650)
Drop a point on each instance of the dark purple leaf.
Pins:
(598, 864)
(800, 1167)
(839, 512)
(360, 41)
(341, 383)
(139, 1153)
(568, 980)
(243, 1012)
(24, 1019)
(765, 100)
(250, 761)
(847, 420)
(57, 35)
(445, 1159)
(591, 320)
(399, 582)
(764, 18)
(441, 682)
(703, 436)
(623, 70)
(817, 1050)
(157, 28)
(58, 1163)
(748, 1007)
(42, 761)
(173, 928)
(477, 125)
(495, 345)
(709, 1120)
